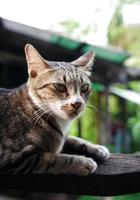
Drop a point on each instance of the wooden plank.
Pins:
(120, 174)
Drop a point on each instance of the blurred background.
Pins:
(63, 30)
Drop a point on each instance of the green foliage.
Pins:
(134, 85)
(115, 28)
(113, 107)
(75, 29)
(88, 121)
(131, 39)
(127, 37)
(128, 197)
(90, 198)
(123, 197)
(128, 1)
(133, 121)
(70, 25)
(134, 124)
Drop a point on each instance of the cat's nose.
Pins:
(76, 105)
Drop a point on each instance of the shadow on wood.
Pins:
(119, 175)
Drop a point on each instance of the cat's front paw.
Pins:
(97, 152)
(84, 166)
(102, 152)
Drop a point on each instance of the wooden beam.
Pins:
(126, 94)
(119, 175)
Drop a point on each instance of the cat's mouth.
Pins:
(71, 113)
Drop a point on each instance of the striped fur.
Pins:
(34, 119)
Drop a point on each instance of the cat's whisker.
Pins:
(39, 117)
(92, 106)
(91, 115)
(51, 113)
(36, 113)
(90, 109)
(40, 112)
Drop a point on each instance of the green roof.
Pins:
(108, 54)
(98, 87)
(64, 42)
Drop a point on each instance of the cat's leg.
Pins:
(68, 164)
(43, 162)
(74, 145)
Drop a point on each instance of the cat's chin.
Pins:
(69, 114)
(69, 117)
(73, 115)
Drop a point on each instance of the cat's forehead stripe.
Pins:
(68, 72)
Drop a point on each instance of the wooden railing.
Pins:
(119, 175)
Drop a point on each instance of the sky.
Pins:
(131, 14)
(46, 14)
(43, 13)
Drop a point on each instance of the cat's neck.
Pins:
(64, 125)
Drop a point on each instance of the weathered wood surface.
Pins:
(120, 174)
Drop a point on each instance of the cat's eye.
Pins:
(84, 88)
(60, 87)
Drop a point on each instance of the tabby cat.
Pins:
(35, 118)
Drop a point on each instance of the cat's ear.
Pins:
(85, 62)
(36, 63)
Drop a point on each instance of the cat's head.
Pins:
(60, 88)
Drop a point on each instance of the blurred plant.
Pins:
(77, 30)
(134, 124)
(126, 37)
(70, 25)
